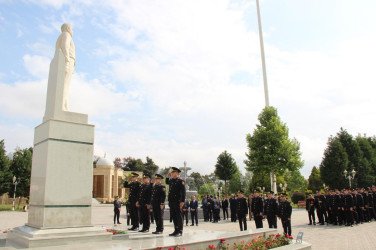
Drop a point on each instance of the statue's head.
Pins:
(66, 27)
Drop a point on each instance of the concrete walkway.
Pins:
(321, 237)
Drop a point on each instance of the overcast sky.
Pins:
(182, 81)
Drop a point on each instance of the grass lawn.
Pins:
(8, 207)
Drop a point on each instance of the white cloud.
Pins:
(37, 66)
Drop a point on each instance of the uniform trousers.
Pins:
(242, 221)
(116, 215)
(311, 216)
(145, 217)
(233, 214)
(177, 216)
(286, 226)
(272, 221)
(258, 220)
(225, 212)
(194, 217)
(206, 214)
(158, 216)
(185, 216)
(133, 210)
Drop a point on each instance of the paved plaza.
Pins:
(321, 237)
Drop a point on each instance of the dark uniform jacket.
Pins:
(233, 203)
(117, 205)
(158, 194)
(365, 198)
(224, 204)
(134, 188)
(284, 210)
(310, 204)
(241, 206)
(145, 194)
(270, 207)
(359, 200)
(177, 190)
(348, 201)
(257, 205)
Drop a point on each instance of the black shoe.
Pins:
(192, 224)
(158, 232)
(144, 231)
(178, 234)
(133, 229)
(172, 234)
(119, 223)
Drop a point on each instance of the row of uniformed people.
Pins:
(346, 207)
(267, 208)
(144, 196)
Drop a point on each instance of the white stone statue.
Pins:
(59, 79)
(65, 43)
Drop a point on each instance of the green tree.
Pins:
(365, 169)
(270, 150)
(295, 181)
(236, 182)
(206, 189)
(150, 167)
(21, 168)
(225, 167)
(314, 180)
(198, 181)
(5, 172)
(334, 162)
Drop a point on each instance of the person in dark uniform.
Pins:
(210, 207)
(176, 197)
(216, 210)
(117, 207)
(204, 207)
(158, 197)
(284, 213)
(225, 208)
(134, 188)
(258, 209)
(242, 210)
(341, 213)
(348, 207)
(128, 213)
(371, 208)
(310, 207)
(233, 208)
(271, 210)
(185, 211)
(144, 202)
(333, 205)
(366, 214)
(193, 206)
(321, 208)
(359, 207)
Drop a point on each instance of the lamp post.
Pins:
(283, 187)
(349, 175)
(15, 182)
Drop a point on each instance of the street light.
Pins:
(350, 176)
(283, 187)
(15, 182)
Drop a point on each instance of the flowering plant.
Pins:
(115, 232)
(257, 243)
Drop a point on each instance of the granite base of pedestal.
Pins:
(29, 237)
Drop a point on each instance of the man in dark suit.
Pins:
(176, 197)
(185, 211)
(242, 210)
(117, 207)
(225, 207)
(258, 209)
(233, 208)
(193, 205)
(144, 202)
(205, 208)
(134, 188)
(284, 213)
(271, 210)
(158, 197)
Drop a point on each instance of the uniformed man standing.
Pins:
(310, 207)
(134, 188)
(284, 213)
(233, 208)
(144, 202)
(257, 209)
(158, 197)
(271, 210)
(242, 210)
(348, 207)
(176, 197)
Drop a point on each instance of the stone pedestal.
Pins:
(61, 187)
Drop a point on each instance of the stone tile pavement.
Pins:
(321, 237)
